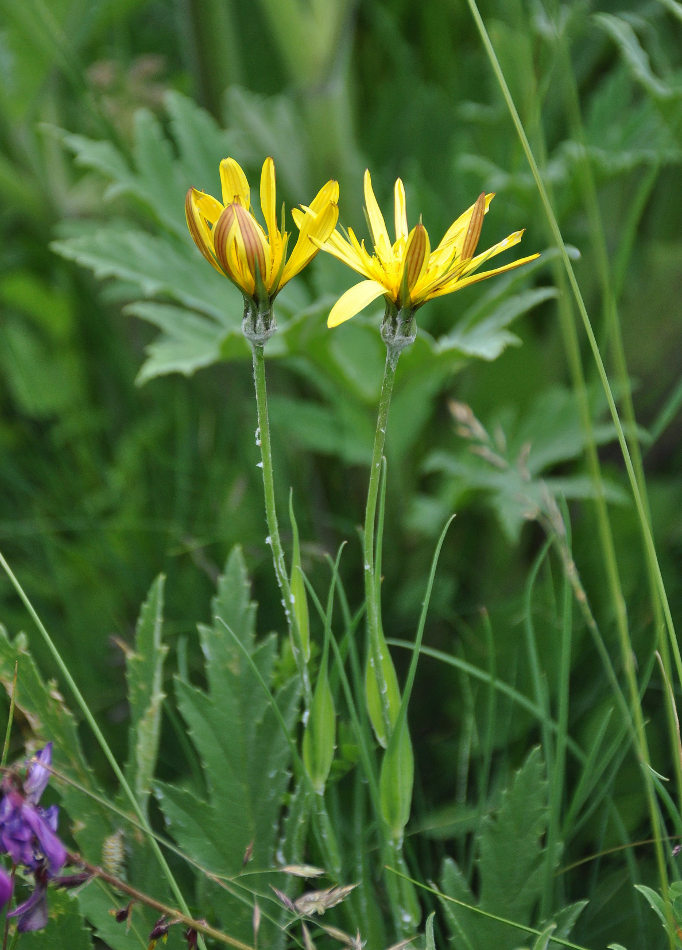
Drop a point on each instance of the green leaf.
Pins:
(635, 57)
(486, 338)
(144, 668)
(156, 266)
(655, 900)
(320, 734)
(429, 940)
(512, 861)
(188, 341)
(299, 597)
(201, 142)
(542, 942)
(396, 780)
(240, 727)
(381, 692)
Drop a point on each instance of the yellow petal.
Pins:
(347, 253)
(475, 278)
(234, 183)
(505, 244)
(208, 207)
(400, 210)
(473, 233)
(454, 236)
(416, 262)
(328, 194)
(354, 300)
(377, 225)
(315, 229)
(241, 247)
(198, 229)
(268, 197)
(417, 256)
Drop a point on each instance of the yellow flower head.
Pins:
(407, 272)
(235, 244)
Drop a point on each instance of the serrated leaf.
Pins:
(188, 341)
(100, 156)
(511, 863)
(156, 266)
(244, 753)
(144, 669)
(511, 849)
(158, 181)
(454, 885)
(189, 816)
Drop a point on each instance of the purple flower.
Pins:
(28, 834)
(38, 774)
(32, 914)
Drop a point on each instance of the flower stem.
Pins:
(274, 540)
(378, 657)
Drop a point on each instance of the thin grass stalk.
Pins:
(606, 537)
(575, 289)
(613, 332)
(488, 744)
(537, 678)
(556, 787)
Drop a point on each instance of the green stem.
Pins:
(273, 539)
(383, 695)
(263, 440)
(377, 643)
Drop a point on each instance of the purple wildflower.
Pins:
(28, 834)
(32, 914)
(38, 774)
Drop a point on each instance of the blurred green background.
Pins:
(110, 109)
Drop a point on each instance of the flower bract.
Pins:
(406, 271)
(233, 241)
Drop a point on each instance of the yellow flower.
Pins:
(407, 272)
(235, 244)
